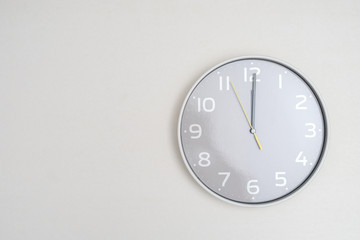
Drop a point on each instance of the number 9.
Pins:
(195, 129)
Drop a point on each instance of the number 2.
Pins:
(298, 105)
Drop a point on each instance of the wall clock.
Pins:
(252, 131)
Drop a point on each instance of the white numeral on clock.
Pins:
(279, 176)
(280, 81)
(298, 105)
(227, 85)
(301, 160)
(252, 188)
(311, 129)
(227, 175)
(250, 78)
(195, 129)
(204, 159)
(207, 104)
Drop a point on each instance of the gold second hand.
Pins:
(247, 118)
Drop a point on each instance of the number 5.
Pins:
(280, 178)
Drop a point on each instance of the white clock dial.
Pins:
(252, 130)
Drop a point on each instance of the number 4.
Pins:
(299, 160)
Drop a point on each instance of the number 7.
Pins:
(227, 175)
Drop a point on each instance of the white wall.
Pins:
(90, 93)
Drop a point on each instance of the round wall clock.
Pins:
(252, 131)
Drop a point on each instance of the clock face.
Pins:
(252, 131)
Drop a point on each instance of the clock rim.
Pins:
(322, 155)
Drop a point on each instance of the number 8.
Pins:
(204, 160)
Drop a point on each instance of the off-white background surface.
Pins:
(90, 93)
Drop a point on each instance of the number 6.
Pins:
(253, 189)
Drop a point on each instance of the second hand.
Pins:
(247, 118)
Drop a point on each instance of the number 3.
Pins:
(311, 129)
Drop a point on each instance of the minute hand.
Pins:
(253, 97)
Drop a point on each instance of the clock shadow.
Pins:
(175, 122)
(174, 132)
